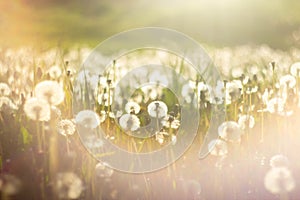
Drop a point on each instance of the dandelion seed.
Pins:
(276, 105)
(157, 109)
(230, 131)
(295, 69)
(251, 90)
(233, 91)
(4, 90)
(279, 161)
(50, 91)
(103, 171)
(5, 101)
(237, 72)
(55, 72)
(9, 184)
(92, 142)
(68, 186)
(151, 92)
(102, 116)
(87, 119)
(132, 107)
(219, 92)
(279, 180)
(246, 121)
(129, 122)
(37, 109)
(170, 122)
(160, 136)
(288, 81)
(204, 92)
(157, 77)
(217, 147)
(188, 90)
(66, 127)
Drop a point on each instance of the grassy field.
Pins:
(59, 120)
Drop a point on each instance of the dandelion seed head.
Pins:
(217, 147)
(295, 69)
(276, 105)
(157, 109)
(88, 119)
(206, 90)
(5, 101)
(288, 81)
(37, 109)
(160, 136)
(65, 127)
(246, 121)
(233, 91)
(170, 122)
(132, 107)
(68, 185)
(4, 89)
(9, 184)
(103, 170)
(237, 72)
(151, 92)
(50, 91)
(157, 77)
(129, 122)
(93, 142)
(279, 160)
(279, 180)
(55, 72)
(230, 131)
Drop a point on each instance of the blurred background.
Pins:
(213, 22)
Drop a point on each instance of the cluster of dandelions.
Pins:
(252, 90)
(164, 121)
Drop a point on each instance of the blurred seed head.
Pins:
(5, 101)
(295, 69)
(129, 122)
(66, 127)
(50, 91)
(4, 90)
(230, 131)
(279, 160)
(37, 109)
(288, 81)
(217, 147)
(9, 184)
(88, 119)
(68, 186)
(246, 121)
(157, 109)
(279, 180)
(102, 170)
(132, 107)
(55, 72)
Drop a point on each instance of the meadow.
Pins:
(48, 123)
